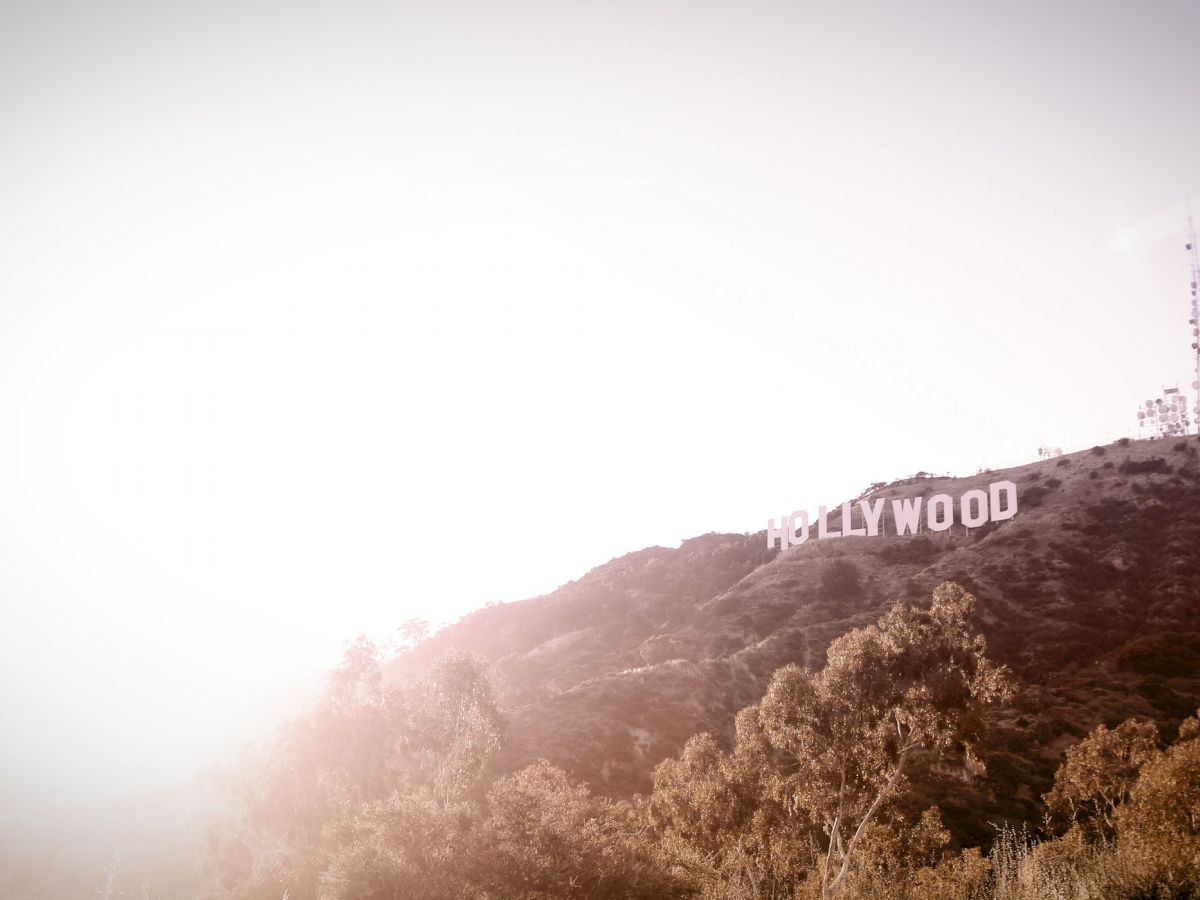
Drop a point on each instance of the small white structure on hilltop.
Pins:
(1049, 452)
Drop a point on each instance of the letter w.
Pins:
(907, 514)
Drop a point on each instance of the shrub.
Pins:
(1154, 465)
(1033, 496)
(1174, 655)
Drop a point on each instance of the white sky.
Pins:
(315, 317)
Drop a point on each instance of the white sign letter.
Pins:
(871, 515)
(793, 538)
(822, 529)
(942, 521)
(1010, 500)
(848, 523)
(907, 514)
(980, 499)
(781, 532)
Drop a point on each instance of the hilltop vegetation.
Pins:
(377, 793)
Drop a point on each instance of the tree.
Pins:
(455, 727)
(1158, 828)
(326, 802)
(1099, 772)
(410, 844)
(547, 837)
(725, 819)
(413, 631)
(903, 860)
(915, 681)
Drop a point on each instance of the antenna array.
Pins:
(1165, 417)
(1194, 321)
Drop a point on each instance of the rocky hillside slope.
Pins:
(1091, 594)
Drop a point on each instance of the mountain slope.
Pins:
(1090, 594)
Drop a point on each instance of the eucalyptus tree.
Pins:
(916, 681)
(1099, 772)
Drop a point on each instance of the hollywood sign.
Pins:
(974, 508)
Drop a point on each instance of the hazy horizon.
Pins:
(316, 319)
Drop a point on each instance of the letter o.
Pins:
(946, 518)
(980, 499)
(794, 539)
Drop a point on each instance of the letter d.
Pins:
(995, 491)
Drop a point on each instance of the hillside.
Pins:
(1090, 594)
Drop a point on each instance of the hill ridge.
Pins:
(1090, 594)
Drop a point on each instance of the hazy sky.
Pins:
(315, 317)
